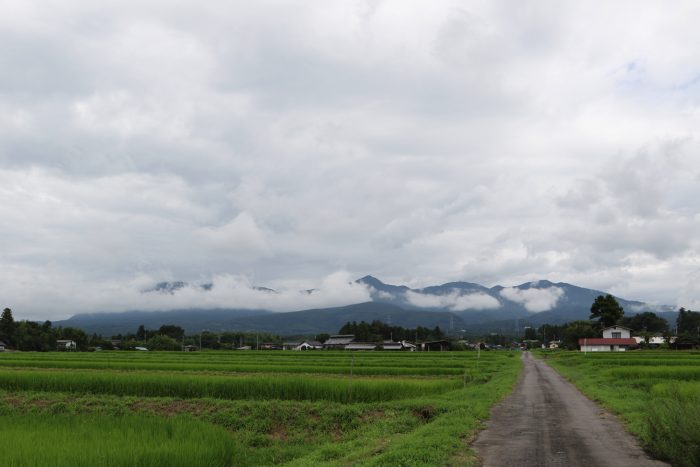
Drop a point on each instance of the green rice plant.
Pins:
(686, 390)
(224, 387)
(645, 372)
(130, 440)
(674, 425)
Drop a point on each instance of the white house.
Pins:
(66, 344)
(615, 339)
(303, 345)
(2, 346)
(616, 332)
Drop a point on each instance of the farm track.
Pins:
(546, 421)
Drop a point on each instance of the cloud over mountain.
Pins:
(534, 299)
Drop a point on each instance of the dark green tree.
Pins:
(7, 327)
(170, 330)
(577, 330)
(606, 310)
(162, 342)
(141, 333)
(645, 322)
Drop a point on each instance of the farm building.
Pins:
(360, 346)
(615, 339)
(402, 345)
(654, 341)
(435, 345)
(2, 346)
(303, 345)
(338, 341)
(270, 346)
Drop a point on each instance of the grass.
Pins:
(127, 440)
(292, 408)
(656, 393)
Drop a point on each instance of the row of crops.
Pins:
(258, 407)
(376, 363)
(657, 393)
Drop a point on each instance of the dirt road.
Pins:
(548, 422)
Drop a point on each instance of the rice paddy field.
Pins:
(656, 393)
(247, 408)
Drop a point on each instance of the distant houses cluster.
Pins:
(348, 342)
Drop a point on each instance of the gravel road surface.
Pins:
(546, 421)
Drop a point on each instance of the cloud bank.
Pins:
(535, 300)
(454, 301)
(285, 140)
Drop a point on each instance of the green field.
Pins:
(247, 408)
(656, 393)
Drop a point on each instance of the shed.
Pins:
(2, 346)
(435, 345)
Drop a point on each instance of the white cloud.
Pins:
(454, 301)
(534, 299)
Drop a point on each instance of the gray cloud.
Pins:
(281, 142)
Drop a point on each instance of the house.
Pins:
(66, 344)
(2, 346)
(360, 346)
(402, 345)
(435, 345)
(338, 341)
(189, 348)
(616, 332)
(615, 339)
(554, 344)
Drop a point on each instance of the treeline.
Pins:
(377, 331)
(32, 336)
(647, 325)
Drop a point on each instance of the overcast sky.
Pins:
(303, 144)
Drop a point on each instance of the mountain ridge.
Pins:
(455, 306)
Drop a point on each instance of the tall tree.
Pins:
(7, 327)
(606, 310)
(645, 322)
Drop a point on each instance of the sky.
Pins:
(304, 144)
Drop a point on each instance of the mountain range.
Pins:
(463, 307)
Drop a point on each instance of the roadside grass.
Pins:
(659, 401)
(391, 420)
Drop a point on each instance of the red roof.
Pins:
(606, 341)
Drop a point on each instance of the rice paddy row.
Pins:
(251, 362)
(273, 408)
